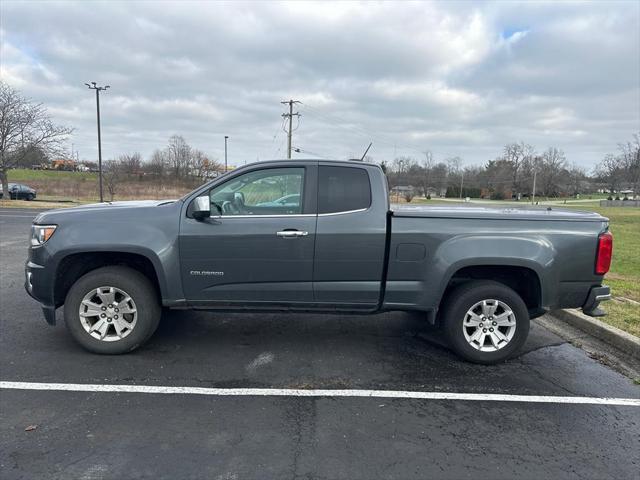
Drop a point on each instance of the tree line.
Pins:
(519, 171)
(178, 163)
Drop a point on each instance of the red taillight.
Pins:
(605, 250)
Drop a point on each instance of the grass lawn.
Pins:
(23, 175)
(41, 203)
(623, 311)
(624, 277)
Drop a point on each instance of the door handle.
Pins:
(291, 234)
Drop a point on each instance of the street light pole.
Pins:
(225, 153)
(98, 89)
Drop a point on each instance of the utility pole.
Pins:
(533, 195)
(98, 89)
(461, 183)
(290, 116)
(226, 137)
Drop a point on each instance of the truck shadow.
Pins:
(396, 350)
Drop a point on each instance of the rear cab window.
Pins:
(343, 189)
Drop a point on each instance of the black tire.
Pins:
(464, 297)
(137, 286)
(30, 197)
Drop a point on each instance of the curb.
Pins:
(613, 336)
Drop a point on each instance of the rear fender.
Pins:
(535, 253)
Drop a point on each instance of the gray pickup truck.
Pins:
(314, 236)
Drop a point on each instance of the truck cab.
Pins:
(323, 251)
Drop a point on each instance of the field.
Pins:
(83, 186)
(624, 277)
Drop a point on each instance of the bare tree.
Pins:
(158, 164)
(630, 160)
(516, 154)
(552, 164)
(498, 177)
(111, 176)
(399, 172)
(24, 125)
(202, 166)
(455, 172)
(440, 176)
(611, 171)
(28, 157)
(130, 163)
(427, 172)
(576, 178)
(178, 155)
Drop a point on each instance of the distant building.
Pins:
(435, 192)
(402, 189)
(63, 164)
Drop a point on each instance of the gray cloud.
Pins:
(455, 78)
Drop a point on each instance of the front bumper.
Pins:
(39, 287)
(596, 295)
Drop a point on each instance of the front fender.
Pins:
(145, 252)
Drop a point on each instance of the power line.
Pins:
(290, 116)
(275, 154)
(274, 138)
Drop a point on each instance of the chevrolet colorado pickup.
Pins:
(314, 236)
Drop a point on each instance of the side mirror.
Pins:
(201, 207)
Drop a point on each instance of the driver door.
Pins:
(257, 247)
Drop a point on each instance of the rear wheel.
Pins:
(485, 322)
(112, 310)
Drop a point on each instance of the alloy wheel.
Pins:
(108, 313)
(489, 325)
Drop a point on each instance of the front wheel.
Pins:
(485, 322)
(112, 310)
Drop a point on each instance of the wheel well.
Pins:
(522, 280)
(74, 266)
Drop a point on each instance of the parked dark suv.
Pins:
(18, 191)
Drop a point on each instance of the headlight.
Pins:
(41, 233)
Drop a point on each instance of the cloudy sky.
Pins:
(454, 78)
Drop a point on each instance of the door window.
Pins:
(273, 191)
(343, 189)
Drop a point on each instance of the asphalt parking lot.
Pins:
(110, 434)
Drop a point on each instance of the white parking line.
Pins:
(292, 392)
